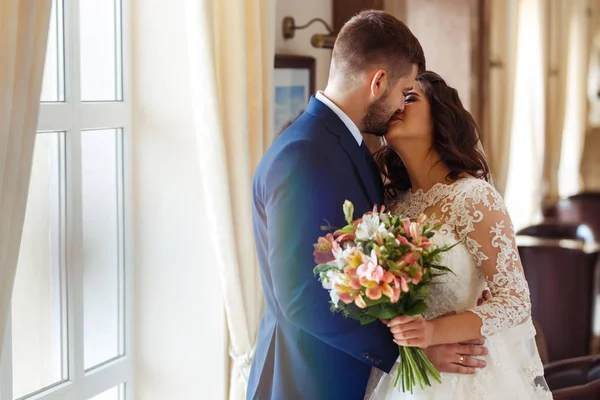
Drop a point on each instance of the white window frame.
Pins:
(71, 117)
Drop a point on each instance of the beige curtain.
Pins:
(504, 17)
(558, 13)
(594, 67)
(590, 167)
(231, 48)
(23, 35)
(576, 106)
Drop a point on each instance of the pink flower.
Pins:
(378, 212)
(411, 259)
(403, 241)
(414, 231)
(403, 284)
(348, 287)
(376, 289)
(360, 302)
(370, 269)
(417, 276)
(400, 285)
(410, 269)
(323, 250)
(406, 223)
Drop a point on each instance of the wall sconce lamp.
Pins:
(318, 40)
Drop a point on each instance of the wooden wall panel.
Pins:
(343, 10)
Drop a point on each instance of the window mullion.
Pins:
(74, 259)
(56, 117)
(103, 115)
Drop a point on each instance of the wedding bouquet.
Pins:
(380, 267)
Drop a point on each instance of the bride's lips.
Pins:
(396, 117)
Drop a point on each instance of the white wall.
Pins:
(444, 29)
(303, 11)
(180, 350)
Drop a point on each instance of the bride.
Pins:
(433, 166)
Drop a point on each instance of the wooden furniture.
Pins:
(562, 280)
(580, 208)
(574, 379)
(559, 230)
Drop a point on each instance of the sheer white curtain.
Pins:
(23, 35)
(576, 102)
(504, 24)
(231, 48)
(527, 145)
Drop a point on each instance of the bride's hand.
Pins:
(411, 331)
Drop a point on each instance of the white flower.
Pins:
(335, 299)
(370, 226)
(327, 278)
(341, 257)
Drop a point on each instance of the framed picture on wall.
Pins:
(294, 83)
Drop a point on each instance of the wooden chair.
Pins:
(580, 208)
(554, 229)
(561, 274)
(574, 379)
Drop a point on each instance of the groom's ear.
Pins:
(379, 83)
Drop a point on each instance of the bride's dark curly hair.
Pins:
(455, 138)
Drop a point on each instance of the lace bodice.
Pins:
(472, 212)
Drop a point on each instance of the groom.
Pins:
(303, 350)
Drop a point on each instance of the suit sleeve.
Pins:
(302, 189)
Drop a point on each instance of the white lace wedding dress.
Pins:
(472, 212)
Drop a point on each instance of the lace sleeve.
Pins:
(485, 227)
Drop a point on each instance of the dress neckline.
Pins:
(422, 193)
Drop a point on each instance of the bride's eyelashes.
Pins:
(410, 97)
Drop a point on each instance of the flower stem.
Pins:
(415, 368)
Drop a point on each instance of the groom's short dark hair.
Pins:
(376, 38)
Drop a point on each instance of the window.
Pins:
(70, 332)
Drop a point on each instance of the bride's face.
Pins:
(414, 122)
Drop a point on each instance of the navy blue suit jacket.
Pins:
(303, 350)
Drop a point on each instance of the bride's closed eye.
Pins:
(410, 97)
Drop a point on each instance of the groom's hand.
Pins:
(457, 358)
(460, 358)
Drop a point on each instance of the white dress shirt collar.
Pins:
(342, 115)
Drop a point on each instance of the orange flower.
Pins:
(323, 250)
(348, 287)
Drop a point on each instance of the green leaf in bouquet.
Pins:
(348, 211)
(346, 229)
(382, 311)
(369, 246)
(436, 227)
(416, 309)
(440, 268)
(438, 251)
(366, 319)
(390, 242)
(405, 248)
(392, 266)
(322, 268)
(421, 290)
(328, 227)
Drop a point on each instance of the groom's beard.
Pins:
(376, 120)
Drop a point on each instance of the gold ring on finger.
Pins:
(461, 359)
